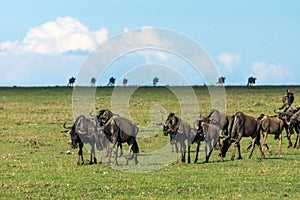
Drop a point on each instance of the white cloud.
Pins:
(270, 73)
(56, 37)
(228, 60)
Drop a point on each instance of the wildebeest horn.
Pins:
(66, 127)
(92, 114)
(276, 111)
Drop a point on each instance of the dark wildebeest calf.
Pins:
(84, 131)
(241, 125)
(179, 131)
(118, 130)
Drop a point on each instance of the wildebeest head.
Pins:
(228, 139)
(104, 116)
(200, 132)
(225, 146)
(171, 126)
(72, 131)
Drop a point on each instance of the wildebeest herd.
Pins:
(217, 130)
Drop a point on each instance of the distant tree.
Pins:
(71, 81)
(155, 81)
(125, 81)
(111, 81)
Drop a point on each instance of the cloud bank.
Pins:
(56, 37)
(48, 54)
(270, 73)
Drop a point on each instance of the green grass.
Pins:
(34, 163)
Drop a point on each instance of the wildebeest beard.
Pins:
(172, 134)
(75, 140)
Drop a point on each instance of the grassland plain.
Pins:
(34, 163)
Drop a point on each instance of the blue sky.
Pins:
(46, 42)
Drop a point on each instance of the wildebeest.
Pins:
(295, 124)
(287, 99)
(179, 131)
(102, 119)
(125, 81)
(270, 125)
(93, 81)
(155, 81)
(221, 80)
(290, 126)
(208, 133)
(241, 125)
(251, 81)
(83, 131)
(220, 120)
(291, 118)
(111, 81)
(71, 81)
(119, 130)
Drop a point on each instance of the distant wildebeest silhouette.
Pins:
(71, 81)
(155, 81)
(93, 81)
(111, 81)
(221, 80)
(251, 81)
(125, 81)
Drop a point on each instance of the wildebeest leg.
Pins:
(288, 135)
(116, 155)
(120, 145)
(233, 152)
(252, 147)
(176, 151)
(237, 145)
(207, 154)
(80, 155)
(189, 154)
(128, 158)
(110, 148)
(239, 150)
(264, 144)
(93, 155)
(182, 150)
(197, 151)
(208, 149)
(279, 144)
(297, 142)
(135, 149)
(109, 152)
